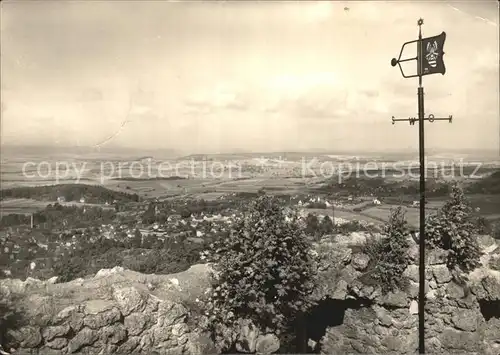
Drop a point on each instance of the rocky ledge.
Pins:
(459, 318)
(116, 312)
(124, 312)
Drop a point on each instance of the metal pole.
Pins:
(421, 298)
(421, 147)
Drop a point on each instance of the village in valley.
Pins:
(45, 227)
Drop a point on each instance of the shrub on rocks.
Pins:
(353, 226)
(496, 231)
(312, 225)
(483, 226)
(318, 228)
(389, 256)
(264, 272)
(10, 317)
(454, 229)
(327, 225)
(494, 262)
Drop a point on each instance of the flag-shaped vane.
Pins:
(431, 55)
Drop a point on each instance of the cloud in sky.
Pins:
(314, 95)
(91, 94)
(242, 74)
(220, 97)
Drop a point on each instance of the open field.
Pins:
(21, 206)
(160, 188)
(278, 185)
(374, 214)
(198, 187)
(349, 215)
(412, 214)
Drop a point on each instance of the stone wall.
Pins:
(116, 312)
(389, 323)
(122, 312)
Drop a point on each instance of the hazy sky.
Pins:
(212, 76)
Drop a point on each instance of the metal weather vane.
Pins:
(430, 61)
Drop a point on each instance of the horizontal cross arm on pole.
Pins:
(430, 118)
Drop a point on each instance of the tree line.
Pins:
(57, 215)
(70, 192)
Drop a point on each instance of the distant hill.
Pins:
(487, 185)
(29, 150)
(19, 151)
(293, 156)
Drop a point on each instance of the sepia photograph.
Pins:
(202, 177)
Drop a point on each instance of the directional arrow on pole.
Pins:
(429, 118)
